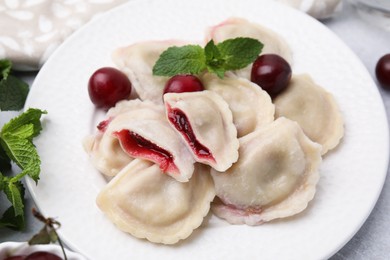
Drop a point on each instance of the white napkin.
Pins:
(320, 9)
(30, 30)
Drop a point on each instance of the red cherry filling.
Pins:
(139, 147)
(102, 126)
(236, 209)
(181, 123)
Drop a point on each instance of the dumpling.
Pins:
(315, 110)
(105, 153)
(204, 121)
(146, 203)
(237, 27)
(155, 140)
(140, 109)
(137, 62)
(250, 105)
(275, 176)
(104, 149)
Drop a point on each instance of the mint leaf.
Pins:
(23, 153)
(189, 59)
(239, 52)
(24, 131)
(16, 145)
(16, 141)
(214, 61)
(213, 55)
(13, 93)
(9, 220)
(15, 194)
(17, 124)
(232, 54)
(2, 181)
(5, 68)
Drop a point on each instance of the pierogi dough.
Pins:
(275, 176)
(314, 109)
(104, 149)
(250, 105)
(143, 201)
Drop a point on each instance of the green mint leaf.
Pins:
(31, 116)
(239, 52)
(5, 162)
(5, 68)
(13, 93)
(2, 181)
(24, 131)
(9, 220)
(15, 194)
(212, 53)
(23, 153)
(189, 59)
(214, 61)
(220, 72)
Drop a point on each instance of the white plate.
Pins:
(352, 175)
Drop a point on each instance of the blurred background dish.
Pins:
(374, 11)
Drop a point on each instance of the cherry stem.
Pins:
(53, 225)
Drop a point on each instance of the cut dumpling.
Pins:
(137, 62)
(104, 149)
(204, 121)
(146, 203)
(155, 140)
(275, 176)
(237, 27)
(250, 105)
(106, 154)
(315, 110)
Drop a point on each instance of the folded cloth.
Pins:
(31, 30)
(320, 9)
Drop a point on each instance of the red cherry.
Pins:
(40, 255)
(272, 73)
(183, 83)
(382, 71)
(107, 86)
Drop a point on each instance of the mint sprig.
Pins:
(13, 91)
(5, 68)
(231, 54)
(16, 145)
